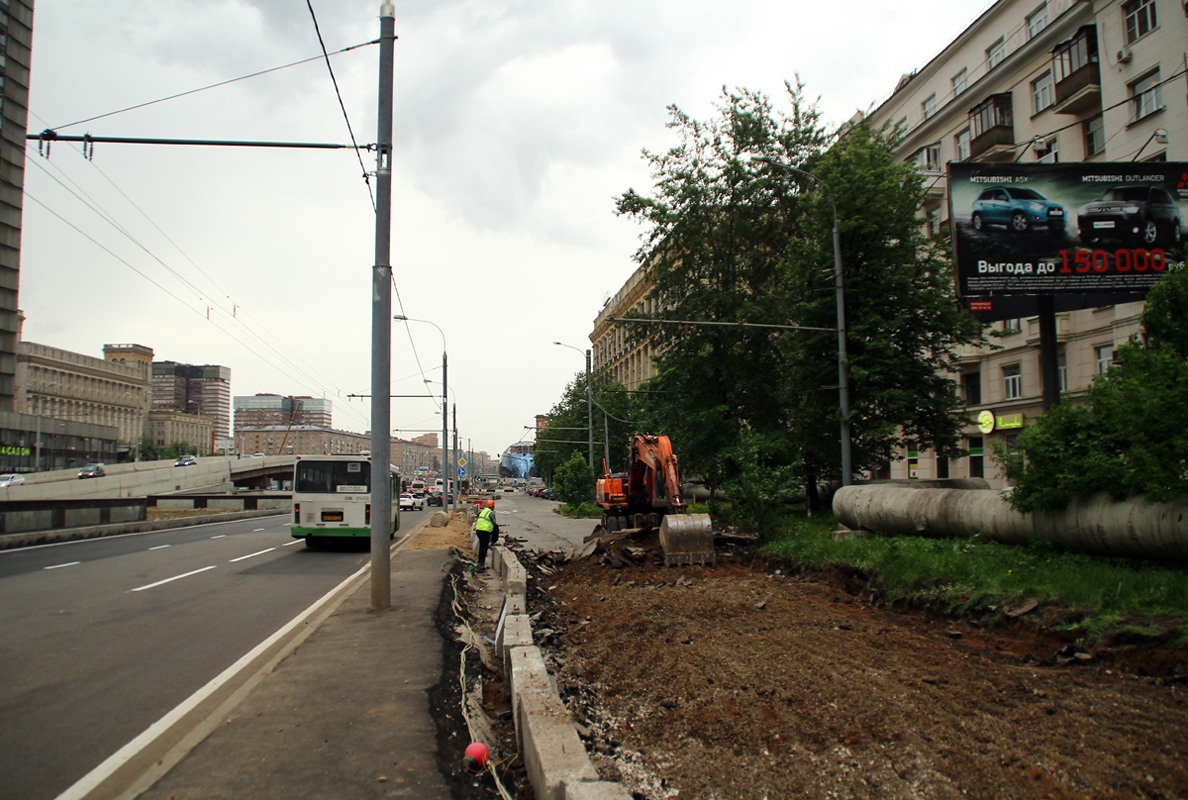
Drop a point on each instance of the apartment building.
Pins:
(1049, 82)
(262, 410)
(198, 390)
(614, 351)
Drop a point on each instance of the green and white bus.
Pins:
(332, 498)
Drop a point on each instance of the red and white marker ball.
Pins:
(476, 755)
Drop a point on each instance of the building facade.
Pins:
(167, 428)
(1027, 82)
(264, 410)
(614, 351)
(16, 39)
(199, 390)
(64, 386)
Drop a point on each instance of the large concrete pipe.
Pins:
(1090, 524)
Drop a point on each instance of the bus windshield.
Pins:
(332, 477)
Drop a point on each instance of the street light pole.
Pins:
(589, 404)
(445, 471)
(843, 367)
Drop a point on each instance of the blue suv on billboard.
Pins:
(1017, 208)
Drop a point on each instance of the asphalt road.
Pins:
(101, 638)
(532, 520)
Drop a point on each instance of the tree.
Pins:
(731, 242)
(1130, 436)
(567, 430)
(573, 482)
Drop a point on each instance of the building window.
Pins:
(1062, 372)
(929, 158)
(993, 112)
(960, 80)
(1037, 20)
(962, 143)
(1012, 325)
(1012, 377)
(976, 467)
(1105, 357)
(901, 127)
(1042, 92)
(1075, 54)
(942, 467)
(929, 106)
(1051, 151)
(1146, 95)
(1094, 136)
(971, 384)
(932, 223)
(1140, 18)
(996, 52)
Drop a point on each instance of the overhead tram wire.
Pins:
(216, 85)
(334, 80)
(407, 329)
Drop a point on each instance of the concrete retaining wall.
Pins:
(1092, 524)
(554, 756)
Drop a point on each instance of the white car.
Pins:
(11, 479)
(411, 502)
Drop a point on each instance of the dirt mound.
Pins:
(740, 681)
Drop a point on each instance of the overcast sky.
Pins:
(517, 122)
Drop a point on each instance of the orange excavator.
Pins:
(648, 496)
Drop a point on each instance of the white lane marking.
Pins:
(252, 555)
(95, 777)
(256, 530)
(17, 550)
(290, 544)
(170, 580)
(220, 536)
(160, 547)
(67, 564)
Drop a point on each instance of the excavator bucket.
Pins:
(687, 539)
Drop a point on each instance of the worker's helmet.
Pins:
(490, 504)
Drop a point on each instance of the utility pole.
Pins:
(381, 326)
(590, 416)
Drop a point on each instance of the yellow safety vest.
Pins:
(484, 522)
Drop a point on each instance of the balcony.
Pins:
(993, 128)
(1077, 73)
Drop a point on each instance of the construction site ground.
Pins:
(744, 681)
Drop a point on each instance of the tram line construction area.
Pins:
(743, 681)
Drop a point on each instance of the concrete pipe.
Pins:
(1091, 524)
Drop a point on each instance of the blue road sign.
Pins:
(461, 472)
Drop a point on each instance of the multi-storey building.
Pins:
(199, 390)
(16, 39)
(614, 351)
(263, 410)
(286, 439)
(1027, 82)
(175, 427)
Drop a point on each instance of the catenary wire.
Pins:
(341, 104)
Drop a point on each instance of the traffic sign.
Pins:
(461, 472)
(462, 462)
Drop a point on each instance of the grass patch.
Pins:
(1109, 594)
(581, 511)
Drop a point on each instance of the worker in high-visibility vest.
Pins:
(487, 530)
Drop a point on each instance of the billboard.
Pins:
(1088, 229)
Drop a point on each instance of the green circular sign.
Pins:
(986, 422)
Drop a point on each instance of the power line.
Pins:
(215, 85)
(341, 105)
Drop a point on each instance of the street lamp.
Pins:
(589, 403)
(449, 467)
(444, 418)
(843, 368)
(1159, 136)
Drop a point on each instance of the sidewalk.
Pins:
(346, 715)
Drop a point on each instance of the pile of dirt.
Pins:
(742, 681)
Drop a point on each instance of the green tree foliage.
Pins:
(730, 240)
(1130, 437)
(567, 429)
(573, 482)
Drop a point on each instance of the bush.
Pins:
(573, 482)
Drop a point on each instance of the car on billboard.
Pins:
(1137, 212)
(1017, 208)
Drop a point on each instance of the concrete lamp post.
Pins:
(589, 405)
(444, 389)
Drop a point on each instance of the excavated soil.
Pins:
(740, 681)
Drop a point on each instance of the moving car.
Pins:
(411, 502)
(1017, 208)
(1140, 212)
(185, 461)
(92, 471)
(435, 498)
(11, 479)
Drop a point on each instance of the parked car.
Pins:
(257, 455)
(411, 502)
(1139, 212)
(92, 471)
(185, 461)
(11, 479)
(1017, 208)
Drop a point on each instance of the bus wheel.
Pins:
(312, 542)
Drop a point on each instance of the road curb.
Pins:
(554, 756)
(145, 759)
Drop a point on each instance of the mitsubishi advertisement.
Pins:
(1062, 229)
